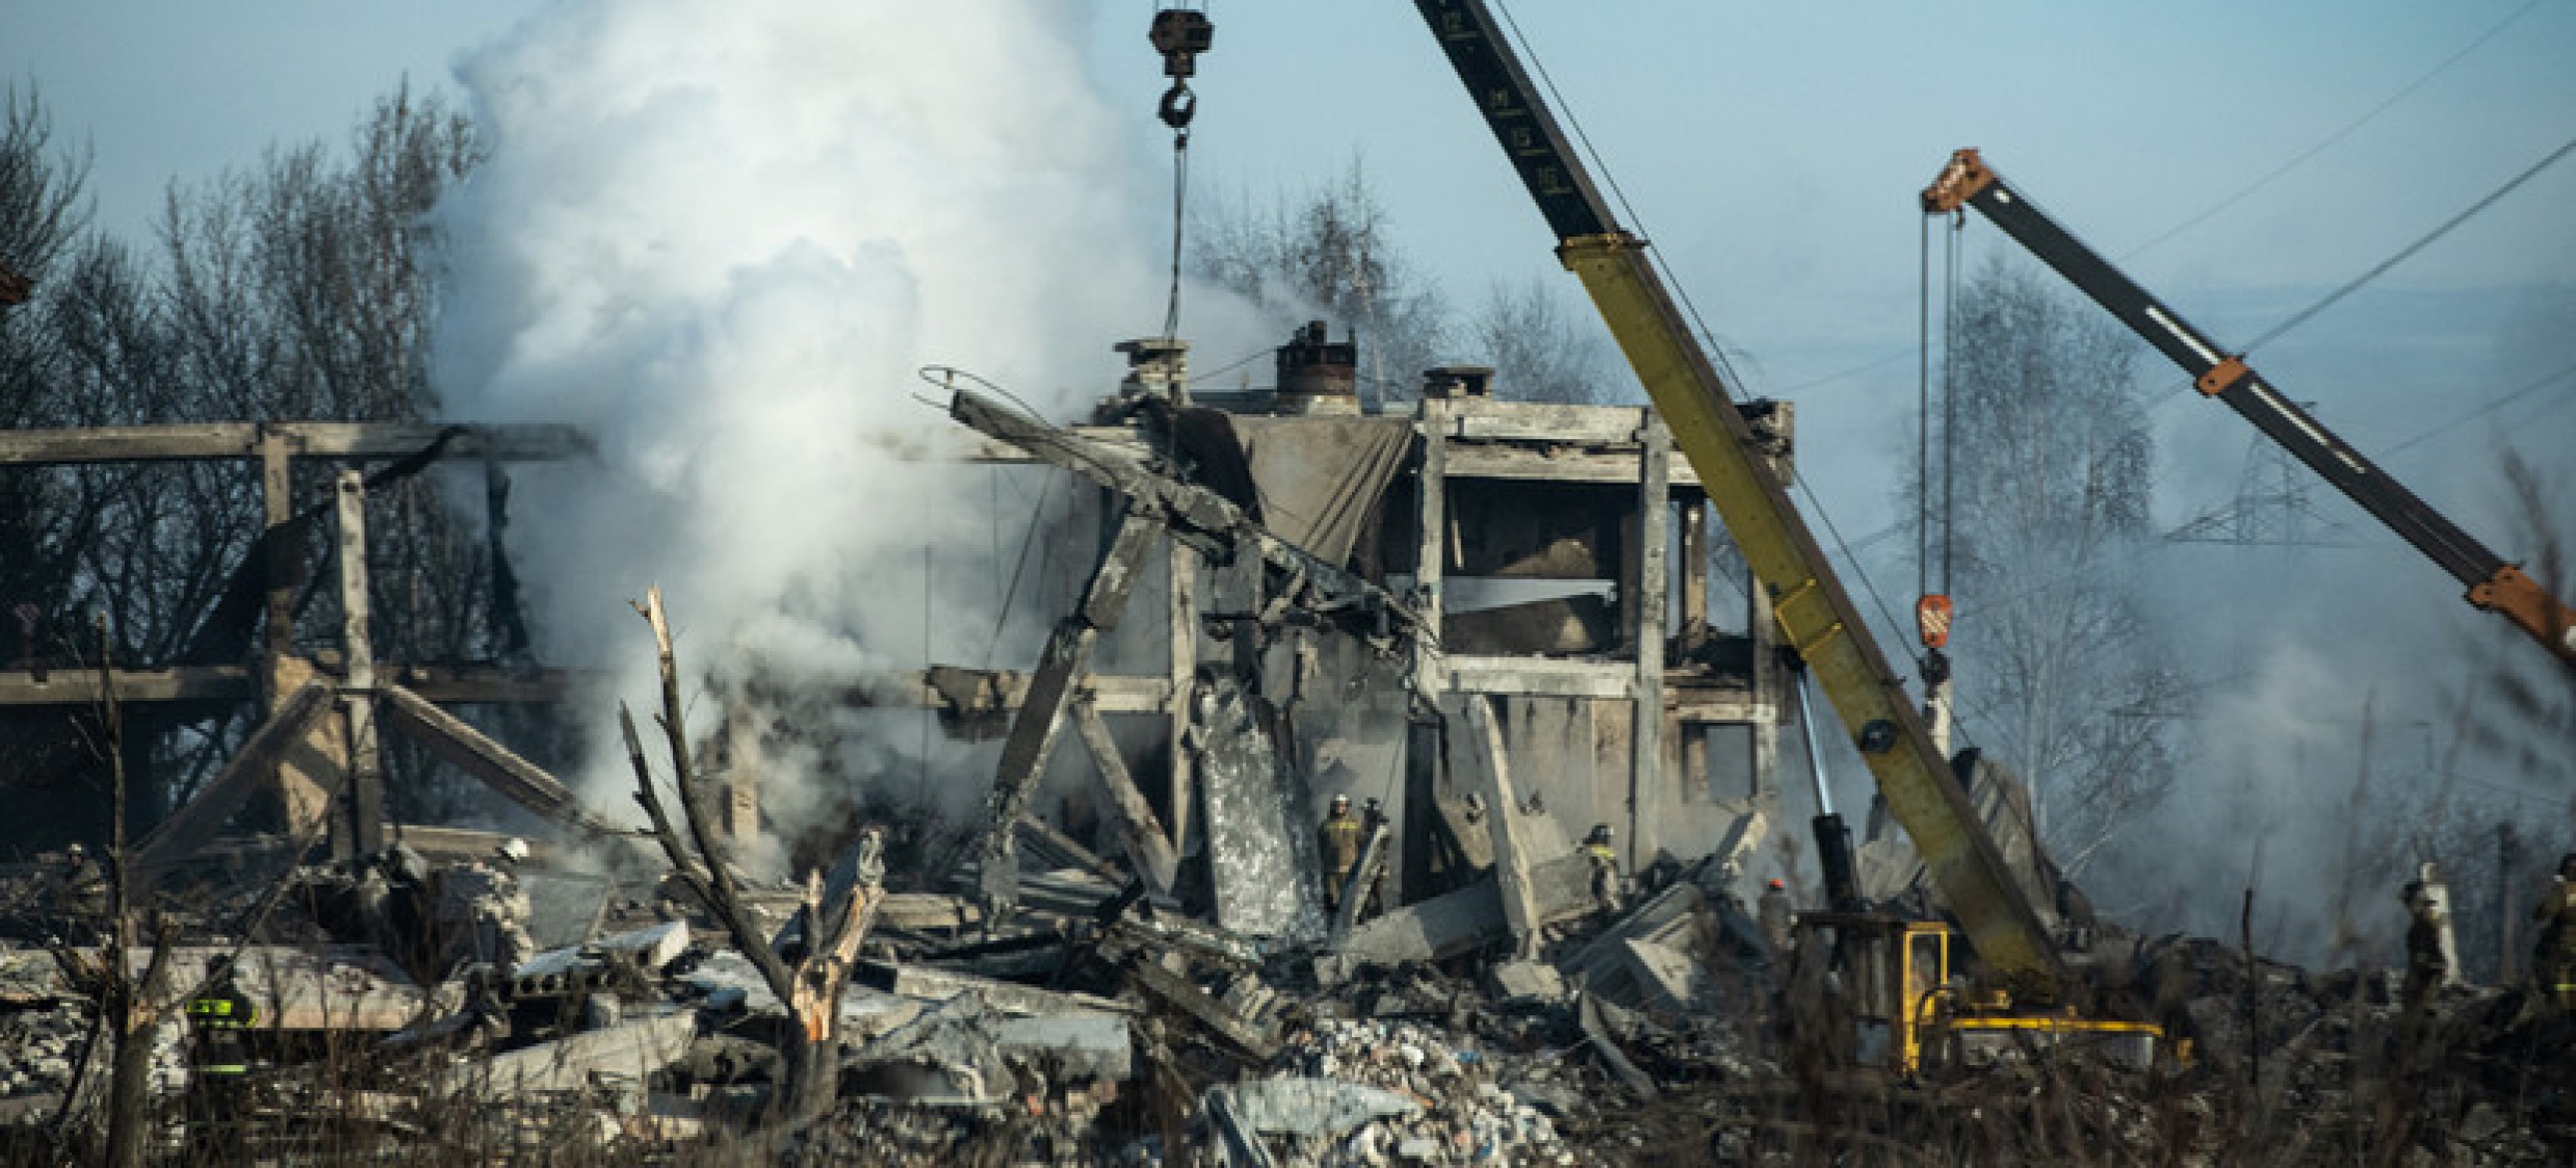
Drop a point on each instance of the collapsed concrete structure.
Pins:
(1139, 971)
(1619, 696)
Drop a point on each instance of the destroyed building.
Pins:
(1137, 968)
(1618, 699)
(1489, 621)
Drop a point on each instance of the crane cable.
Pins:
(1932, 574)
(1180, 200)
(1180, 34)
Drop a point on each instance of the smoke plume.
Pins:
(722, 238)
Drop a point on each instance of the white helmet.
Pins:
(513, 849)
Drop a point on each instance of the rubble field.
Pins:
(1100, 1025)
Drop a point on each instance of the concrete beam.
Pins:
(444, 684)
(1149, 848)
(1502, 820)
(338, 440)
(1009, 690)
(194, 825)
(1051, 691)
(471, 751)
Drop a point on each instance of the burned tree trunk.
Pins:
(129, 1007)
(835, 917)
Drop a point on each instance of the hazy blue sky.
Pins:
(1773, 152)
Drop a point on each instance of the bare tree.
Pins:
(2058, 665)
(304, 287)
(1331, 254)
(833, 927)
(1542, 352)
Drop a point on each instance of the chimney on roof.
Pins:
(1318, 375)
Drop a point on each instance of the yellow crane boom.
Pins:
(1816, 616)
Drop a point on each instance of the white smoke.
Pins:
(722, 238)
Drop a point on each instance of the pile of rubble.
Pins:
(1102, 1025)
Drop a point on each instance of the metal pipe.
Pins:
(1815, 754)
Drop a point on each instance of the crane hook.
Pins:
(1180, 35)
(1179, 106)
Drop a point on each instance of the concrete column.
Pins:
(1502, 819)
(1433, 518)
(277, 507)
(1181, 589)
(360, 830)
(1648, 779)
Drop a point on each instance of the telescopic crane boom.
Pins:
(1815, 615)
(2493, 584)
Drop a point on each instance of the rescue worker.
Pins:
(1338, 839)
(219, 1066)
(1776, 917)
(2553, 958)
(507, 913)
(81, 889)
(1373, 817)
(2426, 967)
(1605, 868)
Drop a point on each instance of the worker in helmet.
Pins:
(1605, 867)
(1338, 839)
(2553, 958)
(1776, 917)
(2426, 966)
(82, 893)
(1373, 817)
(219, 1065)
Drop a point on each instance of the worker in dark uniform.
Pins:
(1338, 840)
(1373, 817)
(2426, 967)
(82, 893)
(1776, 917)
(219, 1066)
(2553, 958)
(1605, 868)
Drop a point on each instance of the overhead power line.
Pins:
(2534, 386)
(2408, 90)
(2408, 252)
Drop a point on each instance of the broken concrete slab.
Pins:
(1515, 982)
(924, 983)
(1245, 1037)
(1264, 871)
(589, 966)
(621, 1057)
(1457, 922)
(927, 912)
(1664, 981)
(945, 1057)
(961, 1053)
(312, 987)
(1668, 916)
(1314, 1108)
(564, 908)
(1084, 1045)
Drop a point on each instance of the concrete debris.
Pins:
(1325, 1109)
(1103, 1025)
(1516, 982)
(620, 1059)
(1258, 860)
